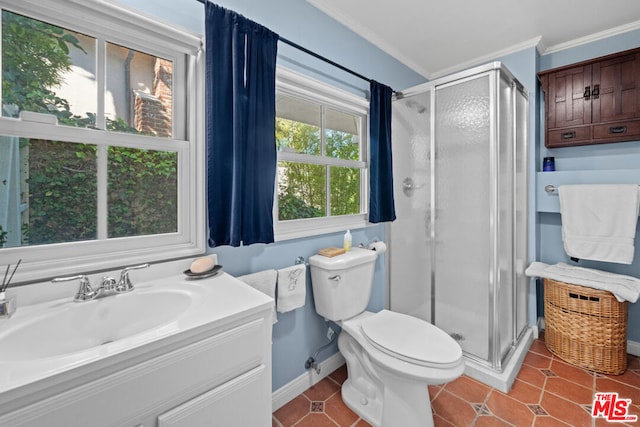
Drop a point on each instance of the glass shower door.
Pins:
(410, 254)
(462, 212)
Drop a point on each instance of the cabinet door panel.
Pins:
(619, 83)
(566, 103)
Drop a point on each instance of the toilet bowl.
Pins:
(391, 357)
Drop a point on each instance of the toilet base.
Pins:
(380, 396)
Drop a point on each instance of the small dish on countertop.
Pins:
(217, 269)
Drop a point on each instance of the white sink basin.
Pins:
(70, 327)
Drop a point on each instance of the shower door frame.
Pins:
(494, 70)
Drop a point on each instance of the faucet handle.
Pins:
(85, 291)
(124, 284)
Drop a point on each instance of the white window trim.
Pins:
(98, 18)
(301, 86)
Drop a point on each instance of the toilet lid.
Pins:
(411, 339)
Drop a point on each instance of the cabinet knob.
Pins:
(587, 93)
(596, 91)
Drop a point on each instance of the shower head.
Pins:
(416, 106)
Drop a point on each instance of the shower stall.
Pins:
(459, 243)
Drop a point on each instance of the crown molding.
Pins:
(615, 31)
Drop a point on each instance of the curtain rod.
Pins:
(316, 55)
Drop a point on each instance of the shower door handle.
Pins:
(408, 186)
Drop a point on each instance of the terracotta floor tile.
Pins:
(433, 391)
(624, 390)
(532, 376)
(339, 375)
(336, 409)
(548, 392)
(453, 409)
(630, 377)
(491, 421)
(525, 392)
(509, 409)
(468, 389)
(438, 421)
(537, 361)
(538, 346)
(565, 411)
(316, 420)
(548, 421)
(293, 411)
(322, 390)
(569, 390)
(572, 373)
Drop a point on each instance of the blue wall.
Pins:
(298, 334)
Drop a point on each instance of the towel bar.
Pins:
(552, 188)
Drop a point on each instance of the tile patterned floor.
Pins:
(547, 392)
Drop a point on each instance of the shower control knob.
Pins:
(364, 401)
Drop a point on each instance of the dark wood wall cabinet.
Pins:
(593, 102)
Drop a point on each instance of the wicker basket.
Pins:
(585, 327)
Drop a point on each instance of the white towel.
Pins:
(292, 287)
(624, 288)
(265, 282)
(599, 221)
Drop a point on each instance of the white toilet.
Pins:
(391, 357)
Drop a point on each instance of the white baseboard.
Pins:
(289, 391)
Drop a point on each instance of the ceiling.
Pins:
(437, 37)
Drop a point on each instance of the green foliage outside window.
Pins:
(302, 186)
(62, 179)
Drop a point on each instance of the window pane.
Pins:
(142, 192)
(342, 135)
(298, 125)
(345, 191)
(50, 190)
(301, 190)
(139, 93)
(47, 69)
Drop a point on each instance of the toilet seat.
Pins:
(411, 339)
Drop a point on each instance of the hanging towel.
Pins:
(599, 221)
(265, 282)
(292, 287)
(624, 288)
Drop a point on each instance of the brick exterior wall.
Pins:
(153, 112)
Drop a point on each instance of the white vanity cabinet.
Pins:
(215, 374)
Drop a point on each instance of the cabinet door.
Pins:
(565, 100)
(618, 81)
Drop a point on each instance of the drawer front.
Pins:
(240, 402)
(130, 396)
(621, 131)
(568, 136)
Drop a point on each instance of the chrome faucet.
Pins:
(87, 293)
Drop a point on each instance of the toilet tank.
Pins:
(342, 284)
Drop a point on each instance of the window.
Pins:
(322, 159)
(100, 157)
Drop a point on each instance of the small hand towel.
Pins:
(599, 221)
(624, 288)
(292, 287)
(265, 282)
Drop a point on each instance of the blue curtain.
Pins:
(240, 128)
(381, 205)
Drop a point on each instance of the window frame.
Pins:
(109, 23)
(297, 85)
